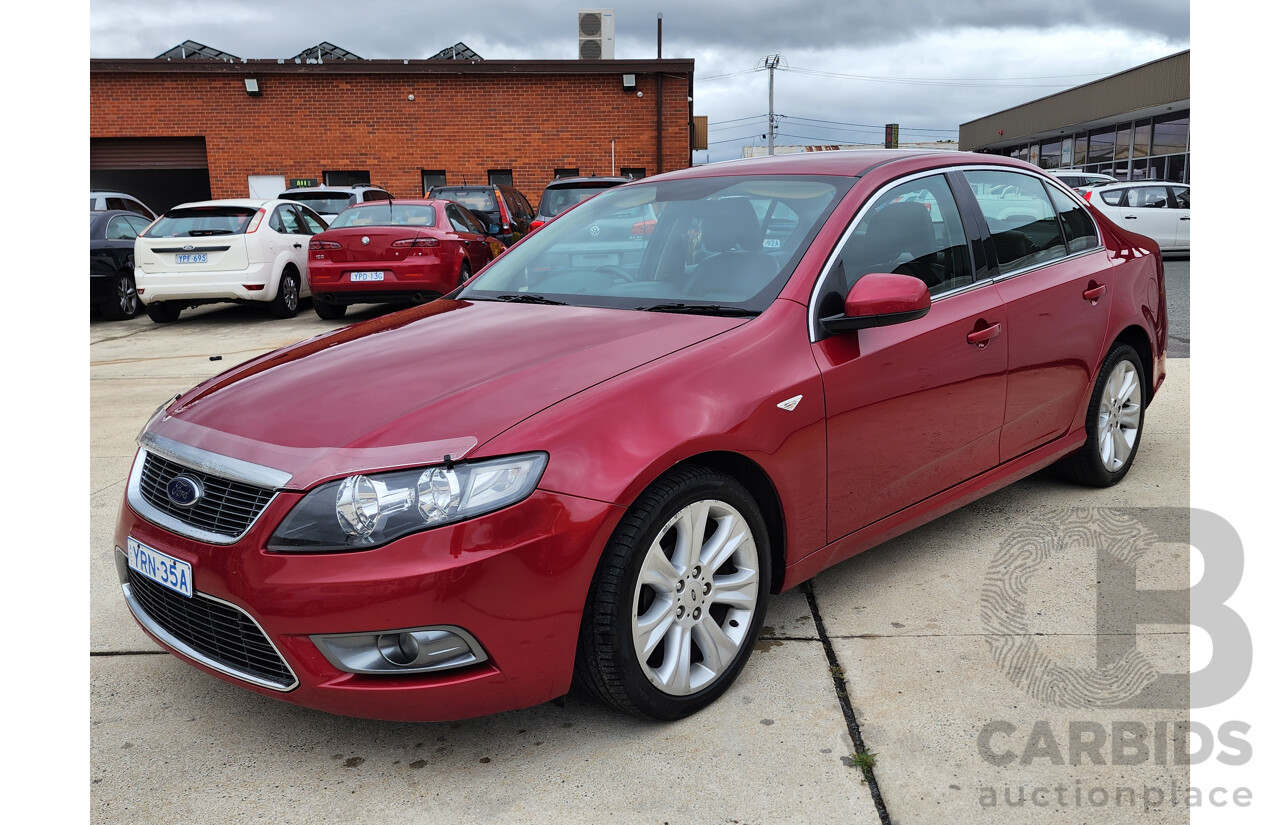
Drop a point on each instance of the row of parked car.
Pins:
(1161, 210)
(338, 245)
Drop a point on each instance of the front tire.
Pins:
(124, 298)
(679, 597)
(285, 304)
(1113, 425)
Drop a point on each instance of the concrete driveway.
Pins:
(966, 656)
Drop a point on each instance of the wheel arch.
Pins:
(753, 477)
(1136, 337)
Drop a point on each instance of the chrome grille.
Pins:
(218, 632)
(227, 508)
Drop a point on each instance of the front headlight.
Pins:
(364, 511)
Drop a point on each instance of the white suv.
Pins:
(225, 250)
(328, 201)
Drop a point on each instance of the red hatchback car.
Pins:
(395, 251)
(600, 456)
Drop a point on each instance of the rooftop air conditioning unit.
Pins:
(595, 34)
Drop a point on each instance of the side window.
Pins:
(1081, 233)
(288, 221)
(912, 229)
(119, 229)
(312, 223)
(138, 224)
(1022, 220)
(1113, 197)
(119, 203)
(472, 222)
(455, 218)
(376, 195)
(1182, 197)
(1147, 197)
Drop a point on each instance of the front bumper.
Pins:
(516, 580)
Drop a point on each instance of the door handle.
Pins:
(1187, 218)
(1094, 292)
(1130, 217)
(980, 337)
(297, 246)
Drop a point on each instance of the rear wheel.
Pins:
(124, 298)
(285, 304)
(163, 312)
(1114, 422)
(326, 310)
(464, 274)
(679, 597)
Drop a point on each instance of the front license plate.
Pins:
(366, 276)
(194, 258)
(174, 574)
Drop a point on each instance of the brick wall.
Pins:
(304, 124)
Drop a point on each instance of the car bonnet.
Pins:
(410, 387)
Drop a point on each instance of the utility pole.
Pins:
(771, 62)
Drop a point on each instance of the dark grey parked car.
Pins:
(111, 287)
(502, 209)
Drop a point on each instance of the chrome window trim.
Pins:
(205, 461)
(144, 618)
(1004, 276)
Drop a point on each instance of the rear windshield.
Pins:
(555, 201)
(479, 200)
(386, 213)
(199, 221)
(326, 203)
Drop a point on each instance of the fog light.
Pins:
(415, 650)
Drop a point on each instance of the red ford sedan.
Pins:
(395, 251)
(600, 457)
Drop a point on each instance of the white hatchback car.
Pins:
(225, 250)
(1161, 210)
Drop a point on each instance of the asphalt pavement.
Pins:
(973, 694)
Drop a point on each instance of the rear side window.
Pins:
(1081, 233)
(1182, 197)
(119, 229)
(202, 221)
(1022, 220)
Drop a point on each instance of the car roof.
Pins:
(248, 203)
(1122, 183)
(841, 162)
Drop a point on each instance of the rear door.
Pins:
(1054, 280)
(1145, 209)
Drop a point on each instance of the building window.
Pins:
(1171, 134)
(346, 178)
(634, 172)
(1051, 154)
(1142, 139)
(1102, 145)
(566, 173)
(1081, 156)
(501, 177)
(432, 177)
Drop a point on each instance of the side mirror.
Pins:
(880, 299)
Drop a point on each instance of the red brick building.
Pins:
(171, 130)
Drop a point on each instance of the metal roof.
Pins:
(458, 51)
(325, 51)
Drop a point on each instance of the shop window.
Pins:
(1170, 135)
(1102, 145)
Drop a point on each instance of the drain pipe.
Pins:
(659, 94)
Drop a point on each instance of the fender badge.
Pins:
(791, 403)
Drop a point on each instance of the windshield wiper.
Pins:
(522, 298)
(700, 309)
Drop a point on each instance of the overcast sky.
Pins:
(851, 65)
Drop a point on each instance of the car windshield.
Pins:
(556, 200)
(386, 213)
(711, 244)
(480, 200)
(198, 221)
(326, 203)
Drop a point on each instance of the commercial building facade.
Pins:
(172, 130)
(1134, 125)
